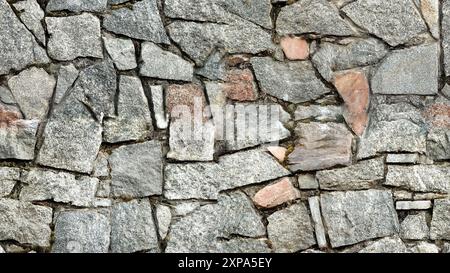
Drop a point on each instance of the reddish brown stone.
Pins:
(274, 195)
(240, 85)
(236, 60)
(295, 48)
(278, 152)
(354, 89)
(438, 115)
(8, 117)
(185, 95)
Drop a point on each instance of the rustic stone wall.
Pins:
(224, 126)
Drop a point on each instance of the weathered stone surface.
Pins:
(395, 21)
(207, 226)
(17, 136)
(425, 247)
(290, 229)
(198, 40)
(43, 185)
(67, 75)
(245, 245)
(386, 245)
(180, 96)
(430, 13)
(33, 90)
(8, 179)
(141, 22)
(319, 229)
(319, 113)
(414, 227)
(402, 158)
(25, 222)
(239, 85)
(164, 218)
(133, 121)
(353, 53)
(74, 36)
(420, 178)
(321, 146)
(205, 180)
(413, 205)
(122, 52)
(31, 15)
(81, 231)
(440, 228)
(101, 167)
(136, 170)
(221, 11)
(276, 194)
(307, 182)
(295, 48)
(354, 89)
(73, 135)
(77, 5)
(278, 152)
(362, 175)
(446, 35)
(161, 117)
(437, 115)
(292, 81)
(132, 227)
(398, 76)
(312, 16)
(18, 47)
(356, 216)
(158, 63)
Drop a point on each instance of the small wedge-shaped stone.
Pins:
(414, 227)
(31, 15)
(205, 180)
(312, 16)
(386, 245)
(292, 81)
(356, 216)
(43, 185)
(440, 223)
(395, 21)
(18, 47)
(17, 136)
(67, 75)
(77, 5)
(276, 194)
(141, 22)
(122, 52)
(25, 222)
(362, 175)
(8, 179)
(420, 178)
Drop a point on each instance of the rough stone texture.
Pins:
(205, 180)
(319, 229)
(25, 222)
(290, 229)
(77, 5)
(8, 179)
(293, 81)
(67, 75)
(424, 247)
(276, 194)
(295, 48)
(440, 229)
(74, 36)
(18, 46)
(446, 35)
(132, 227)
(386, 245)
(128, 22)
(31, 15)
(164, 218)
(420, 178)
(413, 205)
(136, 170)
(319, 113)
(17, 136)
(321, 146)
(161, 116)
(307, 182)
(368, 214)
(414, 227)
(362, 175)
(122, 52)
(81, 231)
(402, 158)
(394, 21)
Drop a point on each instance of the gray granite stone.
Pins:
(77, 5)
(420, 178)
(31, 15)
(8, 179)
(440, 227)
(67, 75)
(386, 245)
(414, 227)
(122, 52)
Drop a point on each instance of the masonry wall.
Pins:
(224, 126)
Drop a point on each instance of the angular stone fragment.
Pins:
(136, 170)
(312, 16)
(8, 179)
(362, 175)
(43, 185)
(101, 167)
(132, 227)
(398, 76)
(25, 222)
(67, 75)
(181, 97)
(430, 13)
(295, 48)
(81, 231)
(33, 90)
(161, 117)
(276, 194)
(307, 182)
(290, 229)
(414, 227)
(446, 35)
(198, 40)
(141, 22)
(438, 140)
(402, 158)
(319, 113)
(73, 135)
(205, 180)
(357, 216)
(386, 245)
(74, 36)
(420, 178)
(164, 217)
(314, 207)
(18, 47)
(395, 21)
(440, 227)
(425, 247)
(413, 205)
(161, 64)
(207, 228)
(354, 89)
(17, 136)
(239, 85)
(133, 121)
(292, 81)
(122, 52)
(321, 146)
(278, 152)
(77, 5)
(31, 15)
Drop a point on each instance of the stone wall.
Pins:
(344, 104)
